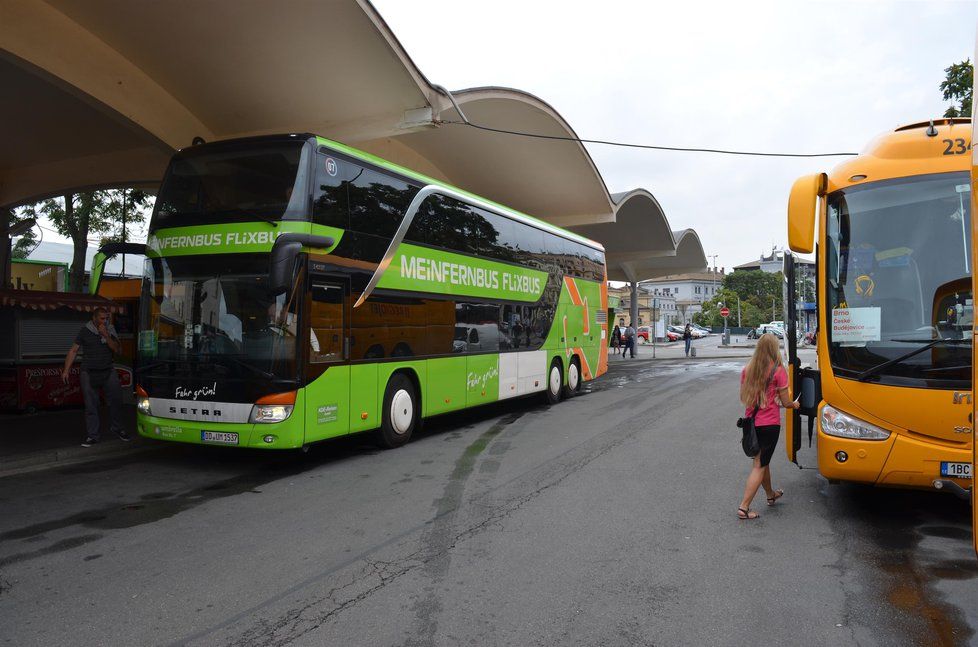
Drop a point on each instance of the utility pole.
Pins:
(124, 196)
(738, 312)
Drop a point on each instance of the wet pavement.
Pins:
(607, 519)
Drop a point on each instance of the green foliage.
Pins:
(96, 213)
(956, 86)
(755, 286)
(754, 290)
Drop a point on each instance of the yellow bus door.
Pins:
(803, 383)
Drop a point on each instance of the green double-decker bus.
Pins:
(296, 289)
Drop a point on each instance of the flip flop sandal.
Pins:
(777, 495)
(746, 515)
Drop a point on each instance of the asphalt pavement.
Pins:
(608, 519)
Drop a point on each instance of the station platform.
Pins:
(30, 442)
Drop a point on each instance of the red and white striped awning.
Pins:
(39, 300)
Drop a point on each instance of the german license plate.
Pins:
(956, 470)
(221, 437)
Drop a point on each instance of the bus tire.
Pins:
(555, 382)
(399, 418)
(573, 377)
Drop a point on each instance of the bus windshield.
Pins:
(233, 182)
(212, 317)
(898, 279)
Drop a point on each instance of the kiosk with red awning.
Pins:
(36, 331)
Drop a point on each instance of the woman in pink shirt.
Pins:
(763, 387)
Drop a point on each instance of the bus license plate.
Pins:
(956, 470)
(226, 437)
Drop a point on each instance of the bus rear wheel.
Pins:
(573, 377)
(555, 382)
(400, 414)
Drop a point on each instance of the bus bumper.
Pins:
(899, 461)
(287, 434)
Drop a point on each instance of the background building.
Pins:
(804, 278)
(686, 292)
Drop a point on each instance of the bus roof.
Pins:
(936, 146)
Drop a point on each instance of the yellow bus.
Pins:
(890, 397)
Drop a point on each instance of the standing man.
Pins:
(629, 341)
(688, 337)
(98, 341)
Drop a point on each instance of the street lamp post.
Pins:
(714, 273)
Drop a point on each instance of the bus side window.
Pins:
(496, 237)
(326, 323)
(378, 202)
(330, 199)
(449, 223)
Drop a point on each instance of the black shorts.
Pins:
(767, 438)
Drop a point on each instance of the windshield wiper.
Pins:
(873, 370)
(252, 367)
(162, 362)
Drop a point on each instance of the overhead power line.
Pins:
(718, 151)
(604, 142)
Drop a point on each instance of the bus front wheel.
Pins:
(555, 382)
(400, 414)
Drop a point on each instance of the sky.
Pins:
(790, 76)
(786, 76)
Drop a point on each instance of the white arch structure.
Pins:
(103, 91)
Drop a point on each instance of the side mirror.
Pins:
(281, 262)
(104, 253)
(801, 211)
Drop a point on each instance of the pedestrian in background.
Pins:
(629, 341)
(616, 340)
(98, 342)
(763, 387)
(688, 337)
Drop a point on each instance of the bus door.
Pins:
(803, 381)
(327, 368)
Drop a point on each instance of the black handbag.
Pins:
(749, 442)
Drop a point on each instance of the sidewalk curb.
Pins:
(52, 458)
(613, 361)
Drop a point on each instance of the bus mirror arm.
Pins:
(281, 262)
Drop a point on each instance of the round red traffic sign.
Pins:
(724, 311)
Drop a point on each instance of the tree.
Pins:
(956, 86)
(98, 213)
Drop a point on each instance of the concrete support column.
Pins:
(633, 311)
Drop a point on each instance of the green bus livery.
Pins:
(297, 289)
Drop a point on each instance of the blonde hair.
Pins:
(767, 356)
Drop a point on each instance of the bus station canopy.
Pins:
(100, 93)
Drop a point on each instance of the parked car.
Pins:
(642, 333)
(765, 328)
(673, 336)
(703, 330)
(696, 331)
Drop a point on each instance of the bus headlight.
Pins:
(143, 405)
(270, 412)
(836, 423)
